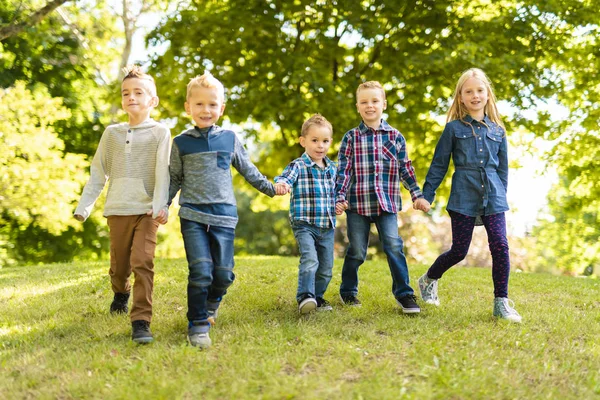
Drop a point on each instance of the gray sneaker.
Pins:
(504, 308)
(429, 290)
(198, 336)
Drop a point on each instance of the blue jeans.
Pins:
(209, 252)
(316, 258)
(358, 236)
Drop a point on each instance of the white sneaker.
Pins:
(504, 308)
(429, 290)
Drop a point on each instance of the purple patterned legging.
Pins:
(462, 232)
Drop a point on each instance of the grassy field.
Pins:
(57, 339)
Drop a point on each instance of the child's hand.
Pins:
(422, 204)
(162, 217)
(281, 189)
(340, 207)
(79, 217)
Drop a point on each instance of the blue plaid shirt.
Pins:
(313, 191)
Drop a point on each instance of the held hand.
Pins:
(162, 217)
(341, 207)
(422, 204)
(281, 189)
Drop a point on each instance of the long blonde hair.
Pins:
(458, 110)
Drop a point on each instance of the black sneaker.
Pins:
(141, 332)
(409, 304)
(323, 305)
(119, 304)
(350, 300)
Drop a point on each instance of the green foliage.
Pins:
(39, 183)
(282, 61)
(69, 56)
(57, 339)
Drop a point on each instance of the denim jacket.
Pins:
(480, 180)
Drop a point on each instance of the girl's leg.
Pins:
(462, 233)
(495, 225)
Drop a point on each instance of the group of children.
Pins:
(145, 172)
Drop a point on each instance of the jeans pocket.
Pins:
(223, 159)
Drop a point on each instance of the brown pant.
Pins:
(132, 245)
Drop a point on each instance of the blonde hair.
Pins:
(370, 85)
(206, 80)
(459, 111)
(135, 71)
(315, 120)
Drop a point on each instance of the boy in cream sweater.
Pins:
(134, 158)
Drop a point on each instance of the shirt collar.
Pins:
(486, 119)
(310, 163)
(383, 126)
(198, 132)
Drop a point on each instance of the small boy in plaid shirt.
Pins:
(372, 163)
(311, 179)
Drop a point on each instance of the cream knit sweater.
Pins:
(135, 161)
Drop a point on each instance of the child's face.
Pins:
(317, 142)
(205, 105)
(136, 98)
(474, 96)
(370, 104)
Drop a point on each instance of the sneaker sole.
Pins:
(408, 310)
(145, 340)
(307, 307)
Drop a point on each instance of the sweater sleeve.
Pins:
(161, 186)
(242, 163)
(96, 182)
(175, 172)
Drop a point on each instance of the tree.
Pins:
(38, 184)
(22, 22)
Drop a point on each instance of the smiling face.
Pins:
(474, 96)
(316, 142)
(205, 105)
(370, 103)
(137, 98)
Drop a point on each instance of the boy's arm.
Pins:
(407, 171)
(96, 182)
(175, 172)
(161, 183)
(242, 163)
(345, 169)
(439, 165)
(289, 174)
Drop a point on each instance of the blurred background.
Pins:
(280, 62)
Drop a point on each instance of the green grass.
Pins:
(57, 339)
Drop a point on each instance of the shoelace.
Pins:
(508, 306)
(431, 290)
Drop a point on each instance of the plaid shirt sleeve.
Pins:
(407, 172)
(345, 167)
(289, 174)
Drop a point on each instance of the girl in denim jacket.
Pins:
(475, 138)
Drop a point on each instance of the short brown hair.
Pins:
(370, 85)
(135, 71)
(315, 120)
